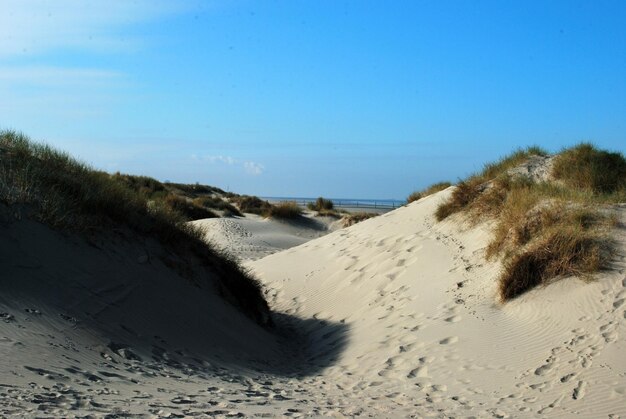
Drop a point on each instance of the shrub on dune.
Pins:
(285, 210)
(434, 188)
(252, 204)
(544, 230)
(586, 167)
(214, 202)
(189, 209)
(321, 204)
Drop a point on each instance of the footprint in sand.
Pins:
(579, 391)
(449, 340)
(547, 367)
(419, 372)
(568, 377)
(453, 319)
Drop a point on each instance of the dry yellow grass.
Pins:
(434, 188)
(544, 230)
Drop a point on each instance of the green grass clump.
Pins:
(586, 167)
(64, 193)
(543, 230)
(285, 210)
(559, 253)
(468, 190)
(144, 185)
(321, 204)
(187, 208)
(217, 203)
(193, 190)
(463, 195)
(252, 204)
(519, 156)
(434, 188)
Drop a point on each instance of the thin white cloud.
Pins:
(253, 168)
(29, 27)
(249, 167)
(55, 76)
(222, 159)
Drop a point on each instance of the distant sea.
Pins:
(343, 202)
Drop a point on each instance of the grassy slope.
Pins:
(66, 194)
(545, 230)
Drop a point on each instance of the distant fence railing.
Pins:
(344, 203)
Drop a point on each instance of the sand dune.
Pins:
(395, 316)
(253, 237)
(425, 335)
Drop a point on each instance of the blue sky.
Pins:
(362, 99)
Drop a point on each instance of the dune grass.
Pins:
(217, 203)
(321, 204)
(189, 209)
(64, 193)
(544, 230)
(584, 167)
(324, 208)
(252, 204)
(285, 210)
(470, 189)
(434, 188)
(357, 217)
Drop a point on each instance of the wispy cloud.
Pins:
(253, 168)
(29, 27)
(55, 76)
(250, 167)
(222, 159)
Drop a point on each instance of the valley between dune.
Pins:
(394, 316)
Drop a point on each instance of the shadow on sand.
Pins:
(314, 344)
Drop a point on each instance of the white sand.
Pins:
(252, 237)
(425, 336)
(393, 317)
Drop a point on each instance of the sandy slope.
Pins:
(253, 237)
(392, 317)
(424, 335)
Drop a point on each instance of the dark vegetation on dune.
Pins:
(324, 208)
(545, 229)
(434, 188)
(285, 210)
(255, 205)
(193, 202)
(356, 217)
(66, 194)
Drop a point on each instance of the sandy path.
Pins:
(423, 331)
(392, 317)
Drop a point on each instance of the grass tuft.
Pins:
(189, 209)
(285, 210)
(217, 203)
(464, 194)
(252, 204)
(357, 217)
(586, 167)
(544, 230)
(434, 188)
(560, 253)
(321, 204)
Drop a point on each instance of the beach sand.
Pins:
(393, 317)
